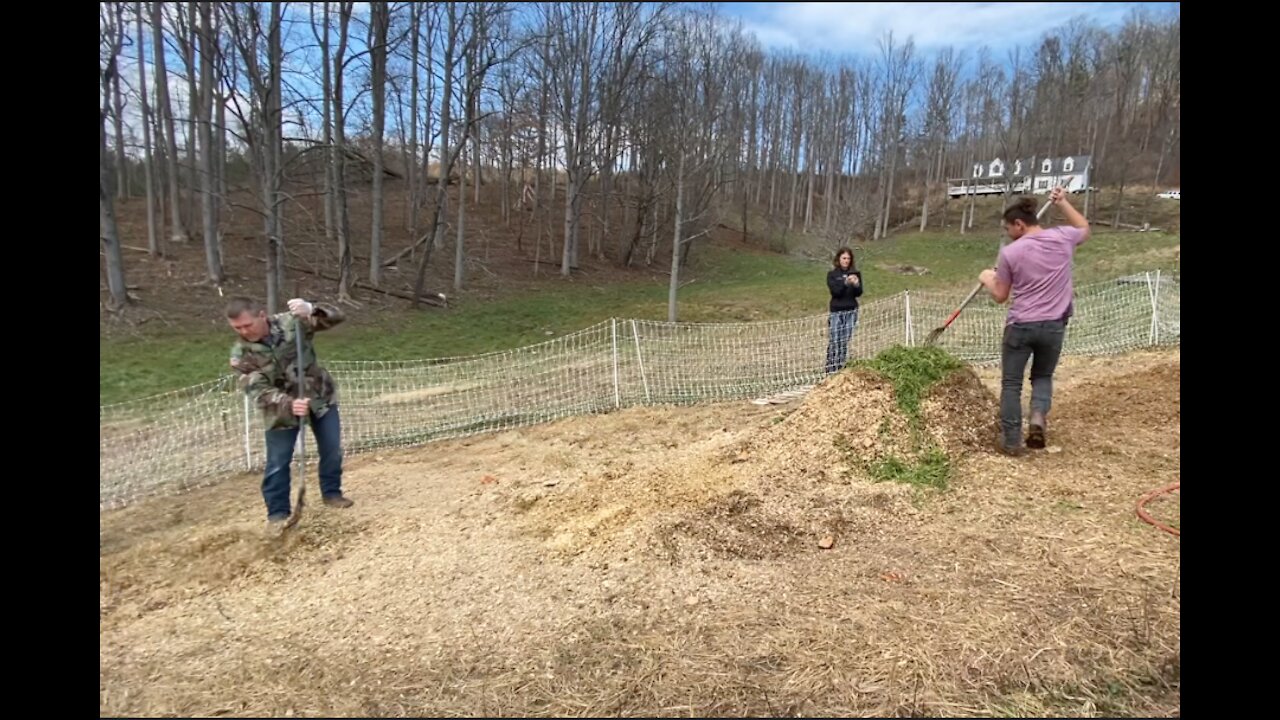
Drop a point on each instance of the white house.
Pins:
(1034, 175)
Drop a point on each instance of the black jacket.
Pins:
(843, 297)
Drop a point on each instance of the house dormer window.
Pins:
(977, 170)
(1069, 165)
(997, 168)
(1046, 166)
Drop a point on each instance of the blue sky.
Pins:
(854, 28)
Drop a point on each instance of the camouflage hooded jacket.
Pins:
(269, 372)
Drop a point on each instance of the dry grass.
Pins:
(666, 562)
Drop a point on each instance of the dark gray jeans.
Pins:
(1040, 342)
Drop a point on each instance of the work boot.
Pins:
(1036, 431)
(1011, 451)
(275, 525)
(338, 501)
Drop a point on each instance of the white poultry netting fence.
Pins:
(178, 440)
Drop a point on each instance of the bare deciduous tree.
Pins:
(177, 221)
(148, 163)
(262, 123)
(111, 41)
(698, 59)
(381, 17)
(208, 184)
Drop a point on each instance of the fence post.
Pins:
(617, 390)
(1151, 296)
(1155, 311)
(248, 449)
(910, 340)
(635, 333)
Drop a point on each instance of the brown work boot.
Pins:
(1036, 432)
(1015, 451)
(338, 501)
(276, 525)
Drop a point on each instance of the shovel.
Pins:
(301, 479)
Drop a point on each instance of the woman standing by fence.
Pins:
(845, 284)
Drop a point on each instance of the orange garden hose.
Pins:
(1146, 517)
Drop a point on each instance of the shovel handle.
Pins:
(296, 512)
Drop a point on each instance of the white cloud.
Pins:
(856, 28)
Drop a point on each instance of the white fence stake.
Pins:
(910, 339)
(635, 333)
(1151, 295)
(1155, 310)
(617, 390)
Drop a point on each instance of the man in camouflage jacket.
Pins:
(266, 358)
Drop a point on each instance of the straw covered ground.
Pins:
(850, 553)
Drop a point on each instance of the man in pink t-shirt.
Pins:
(1036, 269)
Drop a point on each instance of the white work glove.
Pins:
(300, 307)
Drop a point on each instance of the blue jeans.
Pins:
(1041, 343)
(276, 480)
(840, 326)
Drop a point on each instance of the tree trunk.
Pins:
(122, 159)
(437, 214)
(193, 103)
(459, 251)
(1164, 153)
(339, 154)
(411, 167)
(212, 251)
(178, 223)
(474, 130)
(808, 205)
(380, 12)
(795, 158)
(924, 203)
(475, 75)
(570, 217)
(446, 106)
(111, 240)
(653, 236)
(507, 162)
(675, 243)
(606, 187)
(330, 184)
(888, 194)
(148, 167)
(448, 155)
(427, 38)
(973, 208)
(1115, 223)
(276, 47)
(220, 139)
(109, 231)
(271, 158)
(544, 101)
(833, 162)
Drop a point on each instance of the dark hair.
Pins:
(240, 305)
(835, 261)
(1024, 210)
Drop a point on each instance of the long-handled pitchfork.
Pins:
(937, 332)
(301, 479)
